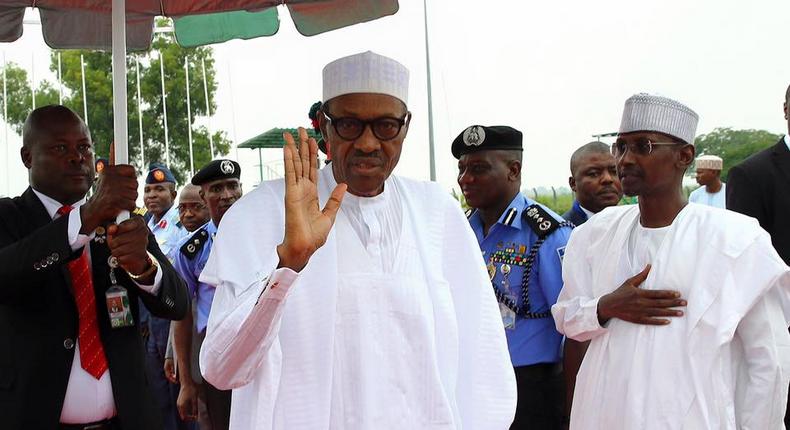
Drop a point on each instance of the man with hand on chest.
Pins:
(70, 279)
(682, 303)
(523, 245)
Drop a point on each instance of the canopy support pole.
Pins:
(119, 114)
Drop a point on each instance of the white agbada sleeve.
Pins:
(576, 311)
(249, 301)
(486, 388)
(761, 392)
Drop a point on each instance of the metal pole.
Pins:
(84, 93)
(119, 113)
(208, 107)
(140, 114)
(60, 82)
(232, 112)
(260, 164)
(33, 81)
(189, 121)
(5, 121)
(164, 107)
(431, 155)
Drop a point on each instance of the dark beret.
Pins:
(482, 138)
(158, 173)
(217, 169)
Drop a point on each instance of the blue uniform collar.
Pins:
(578, 209)
(510, 217)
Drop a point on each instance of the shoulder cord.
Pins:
(524, 311)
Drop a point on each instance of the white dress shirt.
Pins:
(87, 399)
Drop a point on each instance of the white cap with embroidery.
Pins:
(709, 162)
(366, 72)
(645, 112)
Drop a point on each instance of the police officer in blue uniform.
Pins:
(219, 188)
(523, 244)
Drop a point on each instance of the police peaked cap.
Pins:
(217, 169)
(159, 173)
(481, 138)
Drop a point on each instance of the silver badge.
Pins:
(474, 135)
(112, 262)
(227, 167)
(191, 248)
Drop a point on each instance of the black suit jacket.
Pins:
(760, 187)
(39, 321)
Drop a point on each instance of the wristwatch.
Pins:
(153, 265)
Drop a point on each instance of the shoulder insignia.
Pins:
(140, 211)
(469, 213)
(195, 244)
(540, 221)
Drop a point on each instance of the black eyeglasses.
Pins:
(642, 147)
(350, 128)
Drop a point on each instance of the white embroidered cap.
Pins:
(366, 72)
(645, 112)
(709, 162)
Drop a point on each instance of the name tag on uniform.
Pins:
(508, 317)
(117, 299)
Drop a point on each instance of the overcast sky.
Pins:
(557, 71)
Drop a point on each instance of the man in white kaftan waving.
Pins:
(373, 314)
(683, 303)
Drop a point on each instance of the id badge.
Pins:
(508, 317)
(118, 307)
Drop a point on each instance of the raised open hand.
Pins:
(306, 225)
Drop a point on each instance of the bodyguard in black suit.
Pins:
(596, 184)
(44, 383)
(760, 187)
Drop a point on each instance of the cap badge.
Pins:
(159, 175)
(227, 167)
(474, 136)
(99, 166)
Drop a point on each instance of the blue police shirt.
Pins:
(531, 341)
(190, 269)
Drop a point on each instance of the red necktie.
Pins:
(92, 355)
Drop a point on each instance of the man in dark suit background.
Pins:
(64, 365)
(760, 187)
(595, 182)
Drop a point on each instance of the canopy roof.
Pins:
(86, 24)
(274, 138)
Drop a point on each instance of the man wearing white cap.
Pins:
(683, 304)
(712, 190)
(374, 314)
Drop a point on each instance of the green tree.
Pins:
(98, 83)
(734, 146)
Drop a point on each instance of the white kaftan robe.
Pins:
(723, 365)
(392, 324)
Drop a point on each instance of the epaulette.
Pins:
(540, 221)
(195, 244)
